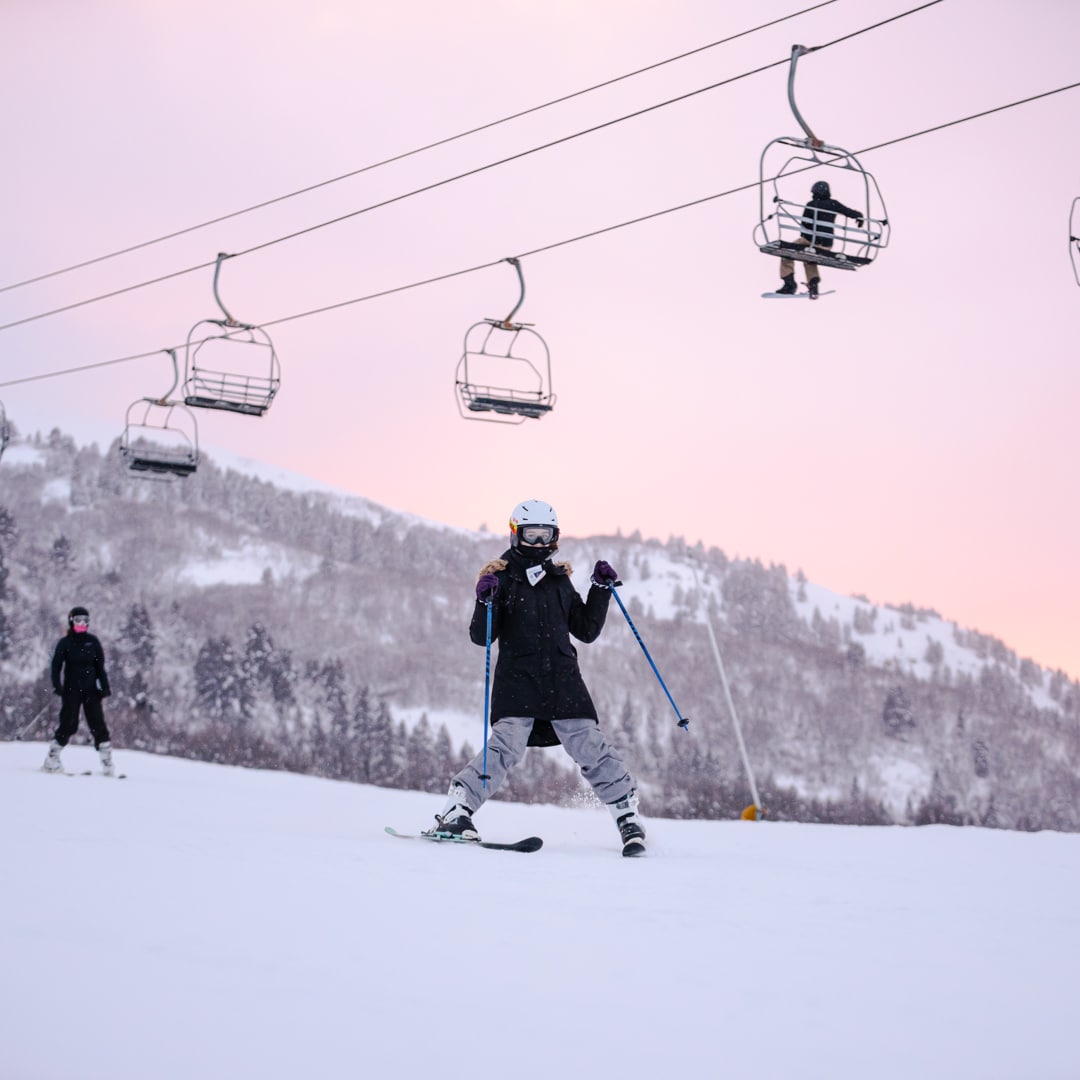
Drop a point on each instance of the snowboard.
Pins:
(796, 295)
(530, 843)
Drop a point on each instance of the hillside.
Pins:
(277, 623)
(217, 922)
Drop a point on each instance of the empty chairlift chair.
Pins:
(504, 374)
(790, 166)
(230, 365)
(160, 438)
(5, 430)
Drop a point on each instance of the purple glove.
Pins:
(604, 575)
(486, 588)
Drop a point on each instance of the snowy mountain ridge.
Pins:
(269, 623)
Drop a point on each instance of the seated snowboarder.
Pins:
(817, 221)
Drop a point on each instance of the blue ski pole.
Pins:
(684, 722)
(484, 778)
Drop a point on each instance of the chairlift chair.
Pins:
(5, 430)
(160, 436)
(789, 167)
(1074, 238)
(505, 369)
(230, 365)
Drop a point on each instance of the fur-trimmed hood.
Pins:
(497, 565)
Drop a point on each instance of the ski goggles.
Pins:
(537, 534)
(80, 620)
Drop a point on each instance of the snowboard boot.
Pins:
(788, 287)
(455, 822)
(630, 828)
(107, 767)
(812, 285)
(52, 761)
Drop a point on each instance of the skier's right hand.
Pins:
(58, 692)
(486, 588)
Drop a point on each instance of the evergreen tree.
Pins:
(220, 689)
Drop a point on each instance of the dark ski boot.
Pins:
(455, 822)
(812, 285)
(630, 828)
(788, 287)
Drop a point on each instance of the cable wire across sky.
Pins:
(549, 247)
(459, 176)
(411, 153)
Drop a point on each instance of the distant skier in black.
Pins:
(80, 679)
(817, 222)
(538, 696)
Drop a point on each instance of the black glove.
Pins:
(105, 693)
(57, 691)
(486, 588)
(859, 222)
(604, 575)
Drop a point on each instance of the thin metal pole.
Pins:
(484, 778)
(727, 694)
(26, 729)
(684, 722)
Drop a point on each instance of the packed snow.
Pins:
(197, 920)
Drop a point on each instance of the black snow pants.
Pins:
(90, 700)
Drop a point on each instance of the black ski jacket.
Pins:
(818, 218)
(537, 671)
(82, 660)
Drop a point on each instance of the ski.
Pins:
(90, 772)
(530, 843)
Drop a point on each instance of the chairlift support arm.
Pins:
(229, 320)
(167, 396)
(507, 323)
(796, 52)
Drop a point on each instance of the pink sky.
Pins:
(912, 438)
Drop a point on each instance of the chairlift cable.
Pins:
(557, 244)
(409, 153)
(459, 176)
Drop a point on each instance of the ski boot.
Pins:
(789, 286)
(107, 767)
(630, 828)
(455, 822)
(812, 285)
(52, 761)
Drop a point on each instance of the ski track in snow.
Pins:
(210, 921)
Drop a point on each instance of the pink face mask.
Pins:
(79, 628)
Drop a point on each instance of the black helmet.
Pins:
(77, 611)
(820, 190)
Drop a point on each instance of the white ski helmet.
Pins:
(541, 517)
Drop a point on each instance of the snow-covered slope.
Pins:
(205, 921)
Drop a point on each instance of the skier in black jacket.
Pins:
(539, 697)
(817, 222)
(80, 679)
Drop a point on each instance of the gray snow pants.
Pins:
(581, 739)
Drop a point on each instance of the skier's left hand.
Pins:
(604, 575)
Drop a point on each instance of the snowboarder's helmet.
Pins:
(820, 190)
(82, 613)
(534, 522)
